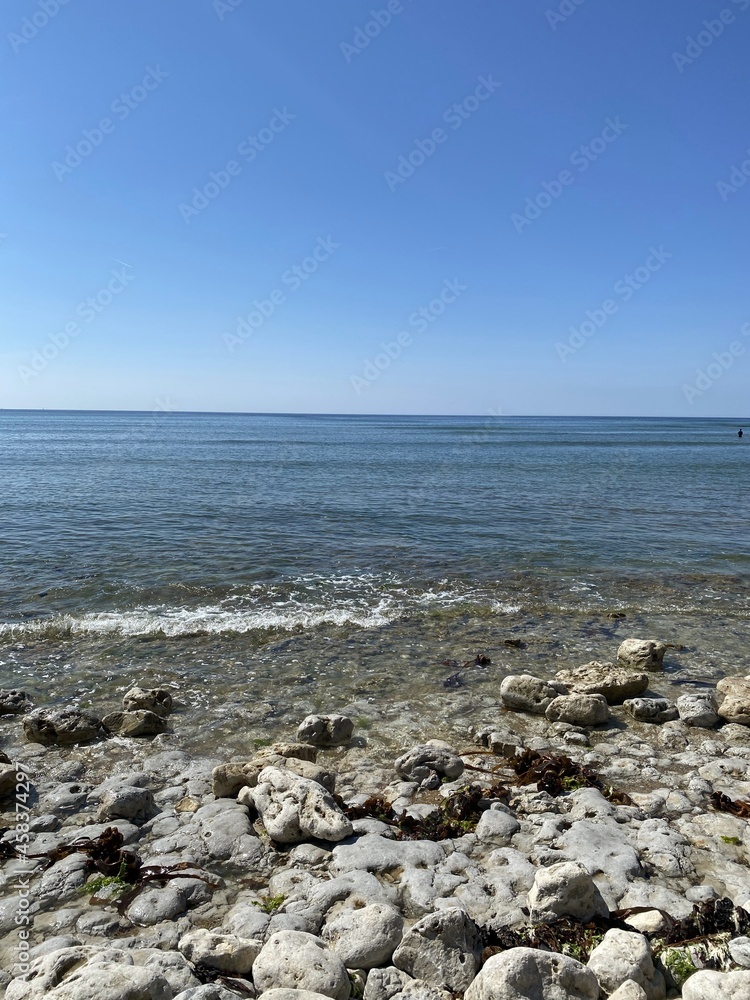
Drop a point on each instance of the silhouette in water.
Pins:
(739, 433)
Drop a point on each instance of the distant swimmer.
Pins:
(739, 433)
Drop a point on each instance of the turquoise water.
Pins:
(322, 547)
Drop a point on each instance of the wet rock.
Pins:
(14, 702)
(7, 779)
(698, 710)
(140, 722)
(717, 986)
(295, 809)
(225, 952)
(613, 682)
(127, 802)
(157, 700)
(528, 974)
(151, 906)
(63, 726)
(443, 948)
(429, 764)
(364, 937)
(625, 956)
(500, 741)
(578, 709)
(524, 693)
(565, 890)
(642, 654)
(655, 710)
(295, 960)
(733, 694)
(325, 730)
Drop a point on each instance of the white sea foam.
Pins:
(237, 615)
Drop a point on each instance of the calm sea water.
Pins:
(320, 559)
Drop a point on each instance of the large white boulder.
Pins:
(529, 974)
(625, 956)
(717, 986)
(578, 709)
(733, 694)
(364, 936)
(443, 948)
(642, 654)
(296, 960)
(524, 693)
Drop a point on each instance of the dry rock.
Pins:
(613, 682)
(642, 654)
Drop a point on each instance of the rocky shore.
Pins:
(591, 840)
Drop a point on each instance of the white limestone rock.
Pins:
(717, 986)
(529, 974)
(565, 890)
(625, 956)
(613, 682)
(733, 694)
(225, 952)
(364, 936)
(295, 809)
(295, 960)
(700, 710)
(443, 948)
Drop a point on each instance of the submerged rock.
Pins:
(651, 710)
(524, 693)
(607, 679)
(529, 974)
(140, 722)
(158, 701)
(63, 726)
(642, 654)
(325, 730)
(579, 709)
(14, 702)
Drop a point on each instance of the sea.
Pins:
(266, 566)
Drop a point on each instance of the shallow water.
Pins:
(266, 566)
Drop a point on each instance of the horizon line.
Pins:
(321, 413)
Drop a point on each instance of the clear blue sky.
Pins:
(114, 112)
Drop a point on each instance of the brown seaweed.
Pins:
(737, 807)
(456, 816)
(557, 774)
